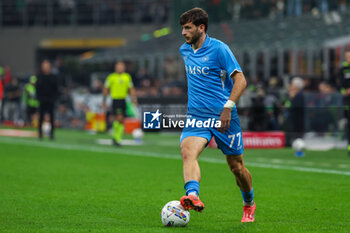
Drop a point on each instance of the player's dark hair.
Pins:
(197, 16)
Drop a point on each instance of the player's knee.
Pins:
(187, 153)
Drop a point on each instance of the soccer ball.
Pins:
(174, 215)
(46, 128)
(298, 144)
(137, 134)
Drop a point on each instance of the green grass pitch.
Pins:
(75, 185)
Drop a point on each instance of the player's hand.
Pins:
(225, 119)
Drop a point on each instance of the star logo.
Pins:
(156, 115)
(151, 120)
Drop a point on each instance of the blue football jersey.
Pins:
(208, 71)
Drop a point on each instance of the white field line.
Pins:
(139, 153)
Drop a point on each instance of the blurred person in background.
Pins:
(47, 94)
(345, 90)
(328, 108)
(141, 76)
(171, 69)
(30, 100)
(96, 87)
(258, 117)
(64, 117)
(296, 110)
(79, 116)
(12, 107)
(118, 85)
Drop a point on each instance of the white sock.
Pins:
(193, 194)
(248, 203)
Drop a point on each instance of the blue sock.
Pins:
(248, 197)
(192, 186)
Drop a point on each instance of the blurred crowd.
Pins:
(19, 104)
(303, 105)
(65, 12)
(169, 84)
(104, 12)
(254, 9)
(266, 105)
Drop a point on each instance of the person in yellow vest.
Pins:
(29, 99)
(118, 85)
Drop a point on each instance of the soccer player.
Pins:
(215, 83)
(119, 85)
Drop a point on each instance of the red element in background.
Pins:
(259, 140)
(7, 75)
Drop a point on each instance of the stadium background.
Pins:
(273, 40)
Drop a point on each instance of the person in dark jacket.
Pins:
(47, 93)
(296, 111)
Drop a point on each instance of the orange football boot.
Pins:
(192, 202)
(249, 213)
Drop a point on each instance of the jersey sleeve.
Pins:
(108, 82)
(227, 60)
(130, 83)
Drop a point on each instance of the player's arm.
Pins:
(240, 83)
(132, 93)
(105, 92)
(229, 63)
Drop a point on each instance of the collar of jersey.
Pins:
(205, 44)
(115, 73)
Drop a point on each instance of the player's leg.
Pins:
(242, 175)
(118, 109)
(51, 107)
(244, 182)
(191, 147)
(118, 125)
(231, 144)
(41, 119)
(118, 128)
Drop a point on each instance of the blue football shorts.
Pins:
(230, 142)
